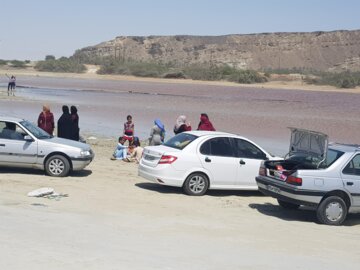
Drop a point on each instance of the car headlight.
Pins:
(85, 153)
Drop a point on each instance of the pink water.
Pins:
(262, 115)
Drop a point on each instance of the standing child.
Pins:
(129, 128)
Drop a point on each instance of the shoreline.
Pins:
(279, 85)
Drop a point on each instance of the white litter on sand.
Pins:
(41, 192)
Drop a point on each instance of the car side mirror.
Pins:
(28, 138)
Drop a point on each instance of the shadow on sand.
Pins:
(215, 193)
(26, 171)
(303, 214)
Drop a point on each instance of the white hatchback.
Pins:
(202, 160)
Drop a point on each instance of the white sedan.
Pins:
(202, 160)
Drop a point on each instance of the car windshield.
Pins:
(36, 131)
(180, 141)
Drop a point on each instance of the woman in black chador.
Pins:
(65, 124)
(75, 124)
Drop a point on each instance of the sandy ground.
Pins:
(113, 219)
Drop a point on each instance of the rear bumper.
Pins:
(288, 193)
(163, 175)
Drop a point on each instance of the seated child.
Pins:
(135, 151)
(120, 151)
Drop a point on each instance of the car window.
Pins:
(11, 131)
(36, 131)
(217, 147)
(180, 141)
(353, 167)
(245, 149)
(331, 157)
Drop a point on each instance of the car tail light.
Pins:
(297, 181)
(167, 159)
(262, 171)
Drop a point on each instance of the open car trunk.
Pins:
(307, 151)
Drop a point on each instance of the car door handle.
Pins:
(207, 159)
(242, 162)
(349, 183)
(2, 144)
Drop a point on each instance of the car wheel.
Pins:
(57, 166)
(196, 184)
(332, 211)
(288, 205)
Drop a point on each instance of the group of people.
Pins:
(67, 125)
(133, 151)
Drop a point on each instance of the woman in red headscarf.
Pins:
(205, 123)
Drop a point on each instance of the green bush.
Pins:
(61, 65)
(341, 80)
(141, 69)
(3, 62)
(247, 76)
(49, 57)
(205, 71)
(17, 63)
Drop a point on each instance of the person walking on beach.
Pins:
(157, 133)
(65, 124)
(205, 123)
(46, 120)
(181, 125)
(129, 130)
(75, 130)
(11, 84)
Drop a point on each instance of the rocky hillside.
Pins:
(326, 51)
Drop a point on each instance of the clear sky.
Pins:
(31, 29)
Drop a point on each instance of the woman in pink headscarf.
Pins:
(46, 120)
(181, 125)
(205, 123)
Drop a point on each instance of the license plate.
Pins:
(150, 158)
(273, 189)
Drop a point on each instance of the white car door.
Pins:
(351, 178)
(14, 149)
(216, 156)
(249, 158)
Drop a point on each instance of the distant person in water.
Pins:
(181, 125)
(11, 84)
(46, 120)
(75, 130)
(65, 124)
(205, 123)
(129, 130)
(157, 133)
